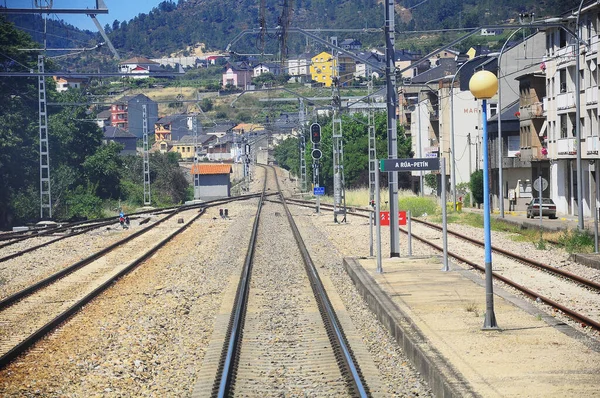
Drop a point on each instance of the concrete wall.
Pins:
(213, 186)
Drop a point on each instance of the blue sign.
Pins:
(319, 191)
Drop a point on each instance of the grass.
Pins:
(406, 201)
(472, 307)
(573, 241)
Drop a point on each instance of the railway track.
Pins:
(284, 337)
(72, 230)
(30, 314)
(519, 272)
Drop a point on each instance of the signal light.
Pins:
(315, 133)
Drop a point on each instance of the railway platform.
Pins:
(437, 317)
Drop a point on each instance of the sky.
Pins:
(117, 9)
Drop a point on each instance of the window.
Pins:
(563, 126)
(562, 78)
(514, 145)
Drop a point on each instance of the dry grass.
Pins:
(167, 93)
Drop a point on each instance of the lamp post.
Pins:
(580, 225)
(484, 85)
(500, 183)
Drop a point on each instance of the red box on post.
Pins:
(384, 218)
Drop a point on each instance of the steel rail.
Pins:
(579, 279)
(7, 301)
(530, 293)
(568, 312)
(106, 221)
(528, 261)
(58, 320)
(228, 362)
(334, 328)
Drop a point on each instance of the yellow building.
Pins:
(322, 67)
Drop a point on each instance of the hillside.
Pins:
(180, 27)
(170, 27)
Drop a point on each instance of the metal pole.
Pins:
(419, 141)
(378, 222)
(500, 146)
(444, 219)
(490, 317)
(317, 185)
(371, 220)
(596, 209)
(409, 225)
(540, 189)
(580, 225)
(392, 133)
(453, 158)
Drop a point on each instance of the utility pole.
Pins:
(146, 156)
(372, 165)
(302, 120)
(392, 132)
(196, 173)
(339, 195)
(45, 195)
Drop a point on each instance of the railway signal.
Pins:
(315, 133)
(316, 154)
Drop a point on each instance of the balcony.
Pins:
(591, 95)
(565, 55)
(592, 145)
(565, 101)
(533, 111)
(566, 148)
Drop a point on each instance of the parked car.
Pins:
(548, 208)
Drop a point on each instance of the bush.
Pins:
(477, 186)
(576, 241)
(418, 206)
(82, 203)
(25, 205)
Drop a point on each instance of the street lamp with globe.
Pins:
(484, 85)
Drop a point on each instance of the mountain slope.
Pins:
(172, 27)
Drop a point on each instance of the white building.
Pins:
(560, 108)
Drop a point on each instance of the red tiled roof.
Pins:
(210, 168)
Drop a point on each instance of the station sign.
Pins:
(414, 164)
(319, 191)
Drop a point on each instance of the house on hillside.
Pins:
(174, 127)
(364, 68)
(65, 83)
(103, 118)
(127, 114)
(138, 67)
(222, 149)
(299, 68)
(237, 75)
(351, 44)
(120, 136)
(266, 67)
(219, 129)
(185, 146)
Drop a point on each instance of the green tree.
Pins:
(476, 184)
(103, 170)
(19, 148)
(287, 155)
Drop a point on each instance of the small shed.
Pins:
(211, 181)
